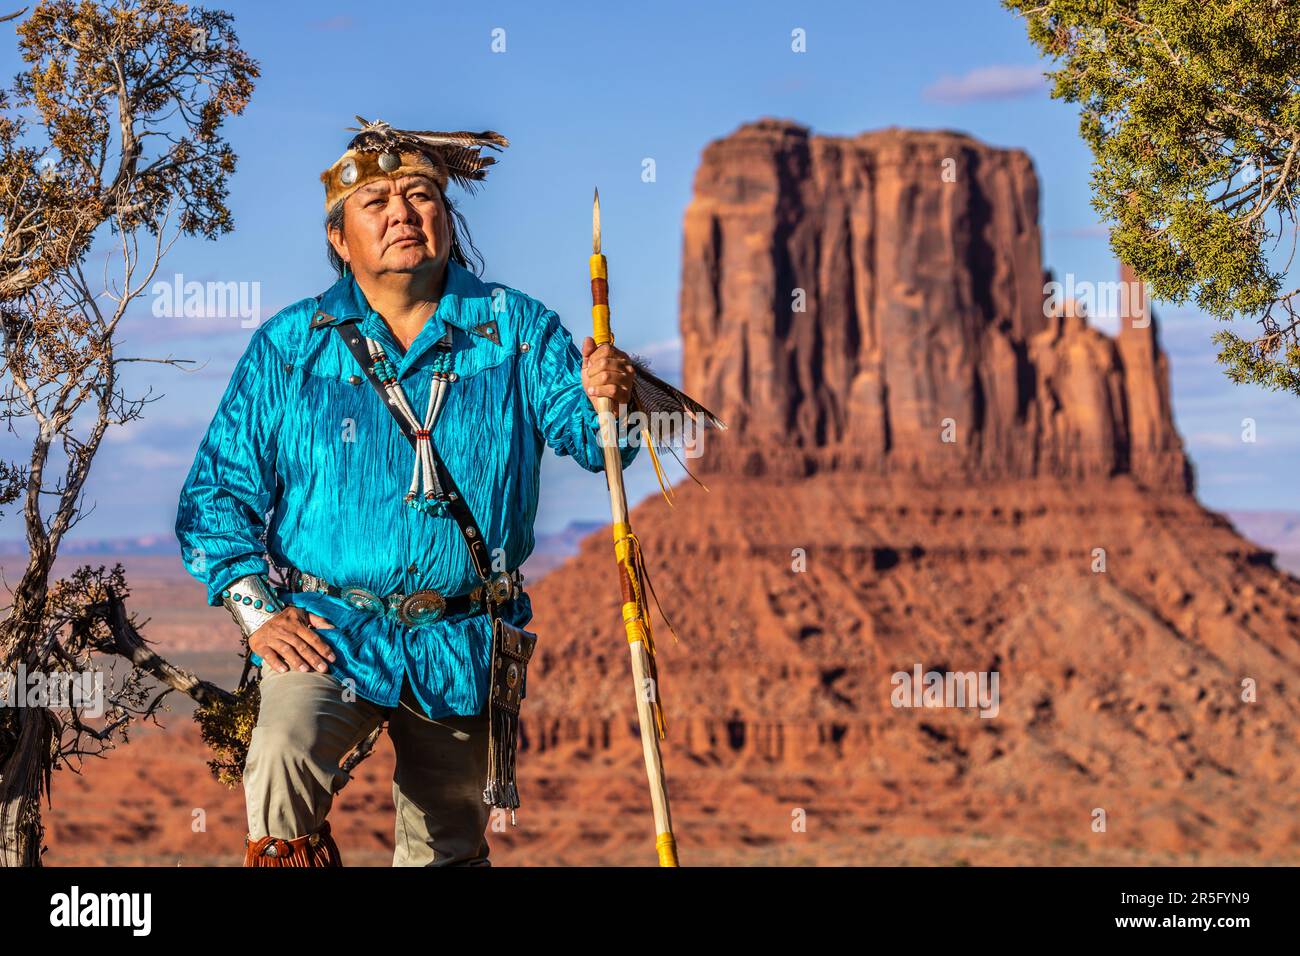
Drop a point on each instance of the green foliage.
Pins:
(226, 726)
(114, 128)
(116, 120)
(1192, 111)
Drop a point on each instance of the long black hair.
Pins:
(458, 228)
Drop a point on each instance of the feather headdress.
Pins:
(379, 151)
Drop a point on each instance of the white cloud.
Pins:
(987, 83)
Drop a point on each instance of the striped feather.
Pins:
(666, 410)
(457, 151)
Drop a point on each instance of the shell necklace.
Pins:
(433, 498)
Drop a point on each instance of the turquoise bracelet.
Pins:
(251, 601)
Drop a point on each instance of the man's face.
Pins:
(394, 227)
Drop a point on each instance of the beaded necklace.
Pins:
(433, 499)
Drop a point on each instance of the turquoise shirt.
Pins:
(303, 463)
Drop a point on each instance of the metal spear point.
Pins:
(631, 570)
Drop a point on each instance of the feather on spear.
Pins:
(665, 410)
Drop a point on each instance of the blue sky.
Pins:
(585, 92)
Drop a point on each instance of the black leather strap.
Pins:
(469, 530)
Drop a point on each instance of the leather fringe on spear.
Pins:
(665, 410)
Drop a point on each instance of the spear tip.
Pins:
(595, 224)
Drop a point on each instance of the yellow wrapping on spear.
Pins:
(636, 613)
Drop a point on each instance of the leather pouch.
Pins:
(512, 648)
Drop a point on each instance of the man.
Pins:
(383, 613)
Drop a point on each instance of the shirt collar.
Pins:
(463, 296)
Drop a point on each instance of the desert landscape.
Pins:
(924, 467)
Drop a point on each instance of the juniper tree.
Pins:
(1192, 112)
(110, 136)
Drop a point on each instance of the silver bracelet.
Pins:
(252, 602)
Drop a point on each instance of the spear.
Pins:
(660, 402)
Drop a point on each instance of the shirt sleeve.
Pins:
(221, 517)
(565, 416)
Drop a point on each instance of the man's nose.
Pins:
(401, 211)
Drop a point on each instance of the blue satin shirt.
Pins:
(303, 463)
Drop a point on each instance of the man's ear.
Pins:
(446, 215)
(339, 243)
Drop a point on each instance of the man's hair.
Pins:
(457, 226)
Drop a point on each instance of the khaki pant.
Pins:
(305, 727)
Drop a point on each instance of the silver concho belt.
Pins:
(417, 607)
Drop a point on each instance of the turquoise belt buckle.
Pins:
(362, 599)
(421, 607)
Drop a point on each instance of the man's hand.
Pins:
(287, 641)
(607, 372)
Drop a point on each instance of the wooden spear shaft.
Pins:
(647, 691)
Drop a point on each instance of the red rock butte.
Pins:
(924, 467)
(916, 264)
